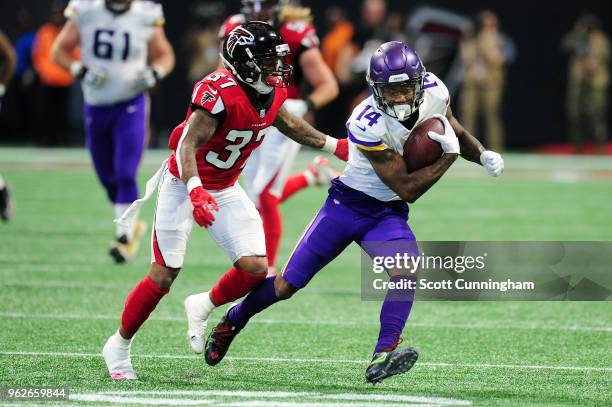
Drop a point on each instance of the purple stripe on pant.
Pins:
(115, 138)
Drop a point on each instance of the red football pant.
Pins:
(139, 304)
(294, 184)
(234, 284)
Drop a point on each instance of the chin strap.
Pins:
(259, 86)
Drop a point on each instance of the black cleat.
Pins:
(219, 340)
(386, 364)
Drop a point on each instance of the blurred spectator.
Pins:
(339, 36)
(369, 33)
(24, 46)
(588, 79)
(483, 55)
(352, 60)
(201, 43)
(22, 100)
(54, 125)
(395, 27)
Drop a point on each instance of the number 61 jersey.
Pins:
(114, 43)
(241, 129)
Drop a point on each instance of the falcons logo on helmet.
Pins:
(238, 36)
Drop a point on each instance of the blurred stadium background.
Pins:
(533, 107)
(60, 294)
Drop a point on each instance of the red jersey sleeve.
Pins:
(207, 96)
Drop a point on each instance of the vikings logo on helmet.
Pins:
(238, 36)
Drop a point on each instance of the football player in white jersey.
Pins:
(367, 203)
(8, 60)
(117, 40)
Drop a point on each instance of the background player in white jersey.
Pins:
(367, 203)
(268, 171)
(117, 40)
(8, 60)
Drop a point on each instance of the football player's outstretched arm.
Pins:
(300, 131)
(472, 150)
(391, 169)
(199, 129)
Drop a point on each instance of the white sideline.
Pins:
(527, 326)
(315, 360)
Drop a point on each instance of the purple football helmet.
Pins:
(396, 69)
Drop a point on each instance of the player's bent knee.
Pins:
(253, 264)
(163, 276)
(283, 289)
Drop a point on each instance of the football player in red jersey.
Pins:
(267, 173)
(231, 111)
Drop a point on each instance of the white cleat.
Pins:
(116, 354)
(198, 308)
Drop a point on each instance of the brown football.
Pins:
(419, 150)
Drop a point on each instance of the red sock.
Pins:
(294, 184)
(139, 304)
(234, 284)
(269, 208)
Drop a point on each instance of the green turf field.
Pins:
(61, 297)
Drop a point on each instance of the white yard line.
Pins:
(315, 360)
(433, 325)
(262, 398)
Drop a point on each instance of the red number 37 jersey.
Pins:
(221, 160)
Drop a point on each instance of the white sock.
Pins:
(121, 341)
(2, 182)
(119, 229)
(310, 178)
(203, 301)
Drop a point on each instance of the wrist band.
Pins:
(330, 144)
(193, 182)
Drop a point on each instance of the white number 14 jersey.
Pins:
(114, 43)
(369, 128)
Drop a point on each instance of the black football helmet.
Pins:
(258, 56)
(118, 6)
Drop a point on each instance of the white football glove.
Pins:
(148, 78)
(93, 77)
(448, 141)
(493, 162)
